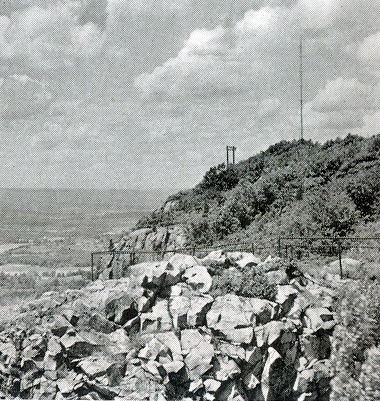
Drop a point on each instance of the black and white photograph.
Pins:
(190, 200)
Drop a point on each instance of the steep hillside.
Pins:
(293, 188)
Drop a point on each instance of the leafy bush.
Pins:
(220, 178)
(358, 329)
(244, 282)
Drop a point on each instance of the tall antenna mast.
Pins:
(301, 94)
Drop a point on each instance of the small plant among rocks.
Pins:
(244, 282)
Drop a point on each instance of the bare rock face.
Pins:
(159, 335)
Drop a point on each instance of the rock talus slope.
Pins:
(159, 335)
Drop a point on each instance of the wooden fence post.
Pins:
(340, 259)
(92, 267)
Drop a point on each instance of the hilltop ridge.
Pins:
(297, 188)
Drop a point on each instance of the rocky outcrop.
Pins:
(160, 335)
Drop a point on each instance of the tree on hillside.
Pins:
(364, 190)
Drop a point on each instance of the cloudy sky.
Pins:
(148, 93)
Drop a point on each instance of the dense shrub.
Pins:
(358, 330)
(220, 178)
(243, 282)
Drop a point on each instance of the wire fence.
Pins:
(288, 248)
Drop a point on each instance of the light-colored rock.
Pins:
(151, 350)
(248, 260)
(250, 380)
(7, 351)
(95, 366)
(243, 259)
(190, 339)
(50, 362)
(178, 308)
(266, 381)
(277, 277)
(198, 360)
(76, 345)
(181, 261)
(53, 346)
(215, 257)
(195, 385)
(225, 368)
(66, 385)
(347, 263)
(198, 278)
(232, 350)
(303, 381)
(211, 385)
(284, 293)
(171, 341)
(228, 316)
(159, 275)
(263, 309)
(300, 304)
(269, 333)
(173, 366)
(58, 324)
(199, 306)
(319, 318)
(157, 320)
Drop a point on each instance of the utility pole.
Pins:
(228, 149)
(301, 94)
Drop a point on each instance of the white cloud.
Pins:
(369, 48)
(343, 94)
(209, 73)
(87, 40)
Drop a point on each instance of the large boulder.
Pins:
(318, 318)
(243, 259)
(199, 306)
(181, 261)
(215, 258)
(198, 278)
(277, 379)
(263, 309)
(190, 339)
(228, 317)
(179, 306)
